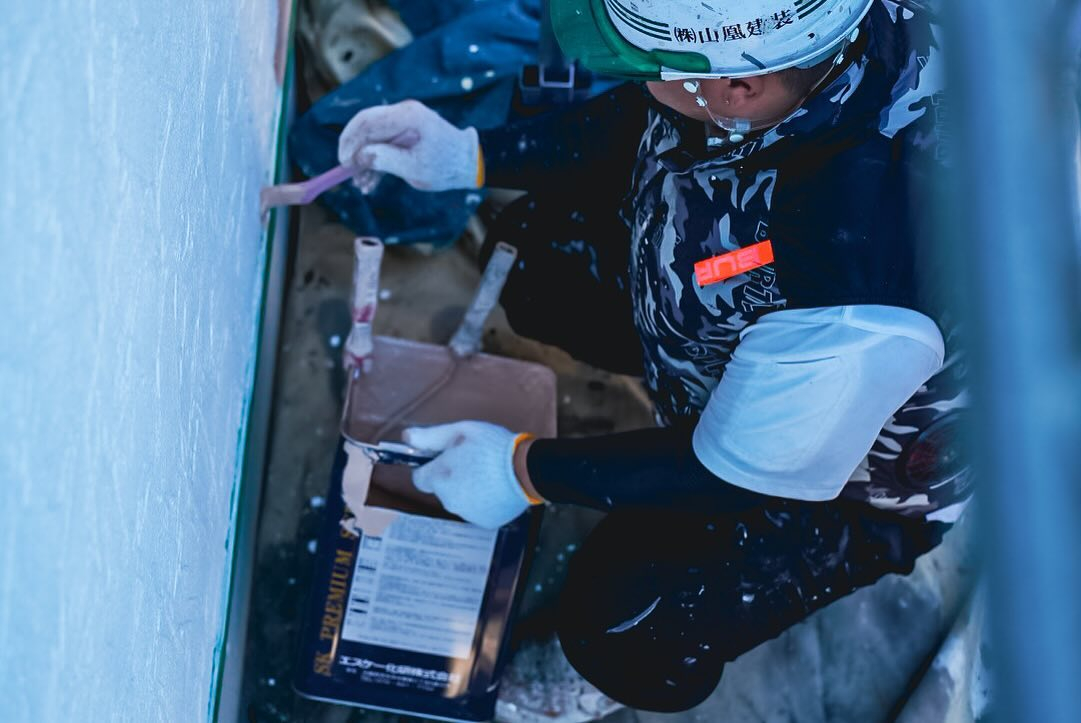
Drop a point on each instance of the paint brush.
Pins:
(298, 194)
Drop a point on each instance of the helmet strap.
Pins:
(724, 131)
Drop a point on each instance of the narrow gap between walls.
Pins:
(251, 449)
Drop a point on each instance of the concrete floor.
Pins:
(855, 661)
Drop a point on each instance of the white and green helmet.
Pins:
(671, 39)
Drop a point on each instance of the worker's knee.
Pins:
(645, 674)
(639, 620)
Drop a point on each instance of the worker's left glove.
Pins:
(413, 142)
(473, 475)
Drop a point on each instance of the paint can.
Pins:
(411, 608)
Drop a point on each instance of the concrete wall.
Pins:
(134, 137)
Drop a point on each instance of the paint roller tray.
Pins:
(412, 613)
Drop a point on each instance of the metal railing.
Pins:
(1012, 220)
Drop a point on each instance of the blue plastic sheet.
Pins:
(464, 63)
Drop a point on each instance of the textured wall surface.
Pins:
(134, 137)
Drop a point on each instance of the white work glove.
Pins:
(413, 142)
(473, 476)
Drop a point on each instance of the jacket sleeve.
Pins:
(800, 404)
(600, 135)
(643, 468)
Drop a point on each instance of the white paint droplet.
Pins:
(271, 682)
(473, 48)
(748, 597)
(385, 294)
(312, 546)
(467, 83)
(317, 501)
(335, 341)
(489, 74)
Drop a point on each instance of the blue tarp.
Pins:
(464, 63)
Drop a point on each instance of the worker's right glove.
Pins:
(413, 142)
(473, 474)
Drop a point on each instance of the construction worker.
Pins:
(743, 226)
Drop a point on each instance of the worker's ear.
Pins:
(734, 96)
(741, 92)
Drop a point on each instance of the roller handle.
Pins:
(466, 340)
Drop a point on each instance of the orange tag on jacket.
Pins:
(733, 263)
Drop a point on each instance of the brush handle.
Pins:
(325, 181)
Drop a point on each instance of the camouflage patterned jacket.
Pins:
(836, 189)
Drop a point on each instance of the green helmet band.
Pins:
(585, 33)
